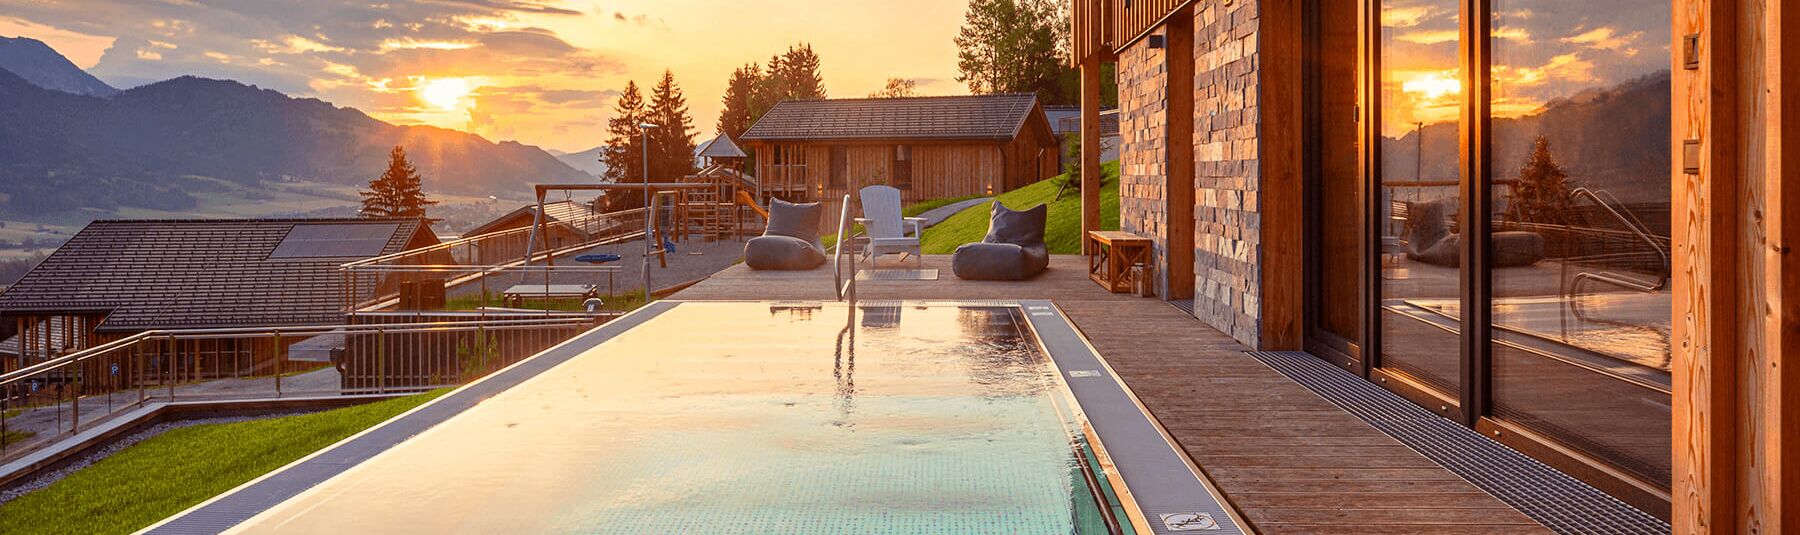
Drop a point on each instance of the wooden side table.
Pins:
(1110, 256)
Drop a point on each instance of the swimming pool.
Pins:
(765, 418)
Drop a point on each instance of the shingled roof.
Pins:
(146, 274)
(984, 117)
(557, 211)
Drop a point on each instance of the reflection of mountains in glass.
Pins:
(1614, 138)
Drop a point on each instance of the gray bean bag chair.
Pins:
(792, 240)
(1013, 249)
(1432, 242)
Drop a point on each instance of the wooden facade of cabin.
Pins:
(928, 147)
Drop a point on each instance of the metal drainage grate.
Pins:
(1186, 305)
(1554, 499)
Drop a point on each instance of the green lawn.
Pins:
(1063, 234)
(175, 470)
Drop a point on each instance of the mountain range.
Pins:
(588, 161)
(68, 141)
(1614, 138)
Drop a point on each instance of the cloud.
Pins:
(1606, 38)
(1430, 37)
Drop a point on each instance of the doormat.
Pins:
(897, 275)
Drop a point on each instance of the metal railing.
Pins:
(1637, 227)
(377, 282)
(375, 353)
(846, 243)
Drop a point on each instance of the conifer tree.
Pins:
(398, 192)
(623, 154)
(734, 119)
(672, 142)
(1543, 188)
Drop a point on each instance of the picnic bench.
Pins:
(1111, 253)
(517, 294)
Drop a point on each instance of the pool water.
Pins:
(745, 418)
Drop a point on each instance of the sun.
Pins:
(448, 94)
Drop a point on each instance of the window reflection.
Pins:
(1580, 188)
(1420, 120)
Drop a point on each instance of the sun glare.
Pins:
(1432, 86)
(448, 94)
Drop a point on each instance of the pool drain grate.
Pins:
(1554, 499)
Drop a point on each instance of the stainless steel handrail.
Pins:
(566, 319)
(467, 240)
(844, 289)
(1606, 201)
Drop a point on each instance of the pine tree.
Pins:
(1543, 190)
(398, 192)
(623, 154)
(672, 142)
(803, 78)
(734, 119)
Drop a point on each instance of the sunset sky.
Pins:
(543, 73)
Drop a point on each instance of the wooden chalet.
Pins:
(928, 147)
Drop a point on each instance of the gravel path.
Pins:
(45, 479)
(939, 214)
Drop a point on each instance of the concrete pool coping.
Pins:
(1162, 486)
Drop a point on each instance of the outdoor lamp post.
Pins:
(648, 233)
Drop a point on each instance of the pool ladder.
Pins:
(844, 288)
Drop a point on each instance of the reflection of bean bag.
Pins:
(1432, 242)
(792, 240)
(1013, 249)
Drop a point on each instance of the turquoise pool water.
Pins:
(745, 418)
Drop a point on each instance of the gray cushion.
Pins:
(794, 220)
(783, 253)
(1013, 249)
(1019, 227)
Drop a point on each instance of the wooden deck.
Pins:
(1290, 461)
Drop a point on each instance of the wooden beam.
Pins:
(1702, 372)
(1090, 148)
(1281, 187)
(1179, 152)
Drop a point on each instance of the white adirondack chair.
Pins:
(889, 232)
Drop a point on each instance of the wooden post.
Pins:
(1736, 284)
(1090, 147)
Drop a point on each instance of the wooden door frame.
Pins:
(1178, 151)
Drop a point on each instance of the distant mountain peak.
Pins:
(41, 65)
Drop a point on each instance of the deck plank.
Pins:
(1290, 461)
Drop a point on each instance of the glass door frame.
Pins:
(1472, 404)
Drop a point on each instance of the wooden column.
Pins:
(1281, 185)
(1179, 151)
(1090, 147)
(1736, 339)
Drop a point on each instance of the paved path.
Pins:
(939, 214)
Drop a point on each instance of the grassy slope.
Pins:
(1063, 233)
(175, 470)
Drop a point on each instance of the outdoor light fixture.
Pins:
(648, 235)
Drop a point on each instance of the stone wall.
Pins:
(1143, 121)
(1227, 230)
(1227, 222)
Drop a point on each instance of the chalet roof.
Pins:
(721, 147)
(1067, 119)
(147, 274)
(566, 210)
(984, 117)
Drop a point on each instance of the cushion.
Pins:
(783, 253)
(999, 261)
(1517, 248)
(1018, 227)
(794, 220)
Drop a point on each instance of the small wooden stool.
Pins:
(1110, 256)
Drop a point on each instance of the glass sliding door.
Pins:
(1419, 201)
(1580, 195)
